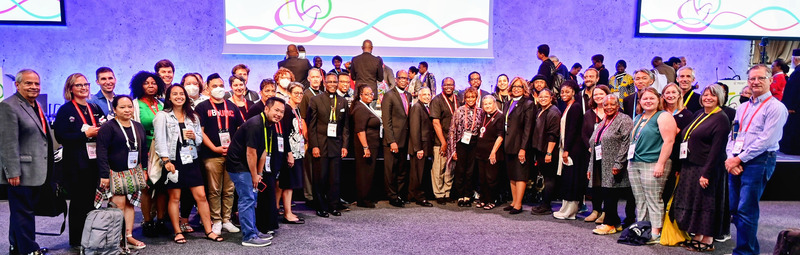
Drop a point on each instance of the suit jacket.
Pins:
(421, 130)
(629, 104)
(308, 93)
(367, 69)
(388, 76)
(519, 122)
(572, 133)
(318, 119)
(25, 146)
(395, 119)
(299, 68)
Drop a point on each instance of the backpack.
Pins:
(103, 231)
(558, 79)
(636, 234)
(788, 242)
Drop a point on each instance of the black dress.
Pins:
(291, 177)
(189, 175)
(699, 210)
(365, 121)
(491, 128)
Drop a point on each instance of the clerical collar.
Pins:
(338, 92)
(400, 90)
(516, 98)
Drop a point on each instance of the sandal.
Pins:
(136, 245)
(688, 244)
(185, 228)
(181, 240)
(489, 206)
(215, 239)
(480, 204)
(702, 247)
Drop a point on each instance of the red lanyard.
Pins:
(485, 124)
(299, 121)
(240, 111)
(474, 118)
(151, 106)
(41, 118)
(227, 120)
(754, 114)
(91, 114)
(455, 102)
(603, 129)
(280, 129)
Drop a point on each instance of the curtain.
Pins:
(775, 50)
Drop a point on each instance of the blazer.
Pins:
(299, 68)
(67, 131)
(318, 119)
(367, 69)
(25, 146)
(572, 133)
(547, 129)
(395, 119)
(308, 93)
(519, 122)
(421, 130)
(614, 144)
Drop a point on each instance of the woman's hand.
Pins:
(104, 183)
(658, 171)
(366, 153)
(169, 166)
(589, 175)
(492, 159)
(190, 134)
(91, 132)
(455, 156)
(614, 171)
(703, 182)
(548, 159)
(521, 156)
(564, 156)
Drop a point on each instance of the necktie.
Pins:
(405, 102)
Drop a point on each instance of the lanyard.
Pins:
(606, 123)
(635, 100)
(128, 141)
(299, 121)
(108, 104)
(332, 116)
(227, 119)
(267, 142)
(695, 123)
(687, 99)
(485, 124)
(372, 110)
(640, 128)
(754, 114)
(474, 118)
(151, 106)
(313, 92)
(41, 118)
(240, 110)
(455, 102)
(511, 108)
(542, 111)
(91, 114)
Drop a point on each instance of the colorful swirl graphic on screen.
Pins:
(18, 5)
(310, 22)
(708, 17)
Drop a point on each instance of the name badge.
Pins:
(331, 129)
(133, 159)
(466, 137)
(483, 130)
(684, 150)
(598, 152)
(225, 139)
(280, 144)
(738, 145)
(186, 154)
(267, 167)
(91, 149)
(631, 151)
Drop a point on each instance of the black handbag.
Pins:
(52, 200)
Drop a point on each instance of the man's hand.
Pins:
(737, 170)
(443, 150)
(256, 180)
(658, 171)
(420, 154)
(315, 152)
(14, 181)
(344, 152)
(732, 162)
(366, 153)
(393, 147)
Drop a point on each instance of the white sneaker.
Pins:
(217, 228)
(256, 242)
(227, 226)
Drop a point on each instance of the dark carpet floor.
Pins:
(417, 230)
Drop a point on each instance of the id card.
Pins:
(186, 154)
(331, 129)
(267, 167)
(224, 139)
(598, 152)
(466, 137)
(133, 159)
(91, 149)
(631, 151)
(280, 144)
(738, 145)
(684, 152)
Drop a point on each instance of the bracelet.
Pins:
(549, 154)
(366, 147)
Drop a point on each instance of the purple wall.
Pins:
(130, 36)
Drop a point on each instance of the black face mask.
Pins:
(743, 99)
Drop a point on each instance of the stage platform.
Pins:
(782, 185)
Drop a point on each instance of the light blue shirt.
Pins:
(766, 129)
(100, 100)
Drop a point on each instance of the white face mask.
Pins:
(218, 93)
(192, 90)
(284, 83)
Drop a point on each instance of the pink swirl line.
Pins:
(699, 29)
(304, 39)
(12, 7)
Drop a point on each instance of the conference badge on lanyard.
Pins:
(684, 150)
(631, 151)
(331, 129)
(598, 152)
(133, 159)
(225, 139)
(267, 163)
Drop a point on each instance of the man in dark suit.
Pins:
(475, 81)
(394, 108)
(315, 77)
(367, 68)
(427, 78)
(297, 65)
(328, 139)
(642, 79)
(420, 145)
(26, 146)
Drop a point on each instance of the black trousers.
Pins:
(610, 200)
(418, 167)
(548, 171)
(326, 182)
(22, 224)
(462, 174)
(395, 171)
(83, 183)
(488, 180)
(266, 206)
(365, 173)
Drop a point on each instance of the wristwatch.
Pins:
(549, 154)
(366, 147)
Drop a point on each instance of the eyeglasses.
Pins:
(517, 86)
(752, 79)
(478, 79)
(297, 93)
(401, 78)
(81, 85)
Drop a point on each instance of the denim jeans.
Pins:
(745, 192)
(247, 203)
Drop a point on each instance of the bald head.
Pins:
(367, 46)
(291, 50)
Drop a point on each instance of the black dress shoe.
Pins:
(365, 204)
(335, 212)
(515, 211)
(397, 203)
(424, 203)
(298, 221)
(12, 250)
(441, 201)
(541, 210)
(508, 208)
(323, 214)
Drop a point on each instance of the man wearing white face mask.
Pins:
(219, 119)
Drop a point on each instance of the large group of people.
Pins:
(240, 154)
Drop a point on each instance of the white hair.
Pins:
(554, 58)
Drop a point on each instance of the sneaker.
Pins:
(217, 228)
(256, 242)
(604, 229)
(227, 226)
(655, 240)
(265, 236)
(149, 229)
(723, 238)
